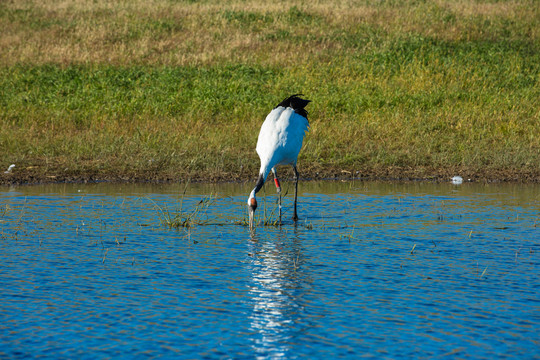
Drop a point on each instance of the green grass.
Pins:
(163, 91)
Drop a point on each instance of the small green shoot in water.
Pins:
(4, 210)
(350, 236)
(104, 256)
(483, 272)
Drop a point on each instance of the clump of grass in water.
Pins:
(4, 210)
(268, 218)
(180, 219)
(349, 236)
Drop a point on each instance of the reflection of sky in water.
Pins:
(385, 271)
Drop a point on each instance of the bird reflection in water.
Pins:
(278, 288)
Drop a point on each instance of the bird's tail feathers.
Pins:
(296, 103)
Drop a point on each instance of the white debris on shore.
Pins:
(457, 180)
(8, 171)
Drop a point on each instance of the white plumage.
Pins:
(279, 143)
(281, 138)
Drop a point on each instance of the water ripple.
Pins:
(374, 271)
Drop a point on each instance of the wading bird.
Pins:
(279, 143)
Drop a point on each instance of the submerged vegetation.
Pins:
(185, 219)
(166, 90)
(181, 218)
(188, 212)
(197, 215)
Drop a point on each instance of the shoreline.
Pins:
(27, 178)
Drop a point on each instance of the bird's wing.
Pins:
(269, 136)
(280, 138)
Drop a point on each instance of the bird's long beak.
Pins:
(251, 216)
(252, 206)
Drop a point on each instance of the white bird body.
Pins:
(279, 143)
(281, 138)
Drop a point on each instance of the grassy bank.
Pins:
(168, 90)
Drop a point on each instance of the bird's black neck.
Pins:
(260, 183)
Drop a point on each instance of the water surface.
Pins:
(375, 270)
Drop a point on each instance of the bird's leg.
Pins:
(278, 188)
(295, 215)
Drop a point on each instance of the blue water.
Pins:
(372, 270)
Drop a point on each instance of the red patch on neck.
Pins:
(253, 203)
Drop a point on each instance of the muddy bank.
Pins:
(31, 176)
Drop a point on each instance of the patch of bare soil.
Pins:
(30, 177)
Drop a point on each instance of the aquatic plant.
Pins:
(269, 215)
(308, 225)
(4, 209)
(184, 219)
(265, 218)
(483, 272)
(348, 236)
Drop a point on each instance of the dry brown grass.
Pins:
(161, 32)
